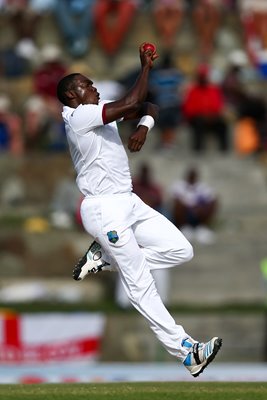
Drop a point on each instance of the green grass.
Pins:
(137, 391)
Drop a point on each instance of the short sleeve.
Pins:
(86, 117)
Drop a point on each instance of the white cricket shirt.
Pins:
(97, 152)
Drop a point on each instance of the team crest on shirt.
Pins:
(113, 236)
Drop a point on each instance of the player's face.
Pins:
(85, 91)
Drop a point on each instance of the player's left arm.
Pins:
(146, 109)
(149, 114)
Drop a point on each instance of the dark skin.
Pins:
(131, 106)
(204, 213)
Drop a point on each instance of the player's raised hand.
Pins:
(148, 54)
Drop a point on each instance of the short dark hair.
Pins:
(65, 84)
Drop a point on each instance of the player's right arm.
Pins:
(133, 100)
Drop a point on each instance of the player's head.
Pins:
(66, 84)
(75, 89)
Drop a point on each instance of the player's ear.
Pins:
(70, 94)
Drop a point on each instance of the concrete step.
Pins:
(244, 336)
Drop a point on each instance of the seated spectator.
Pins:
(194, 207)
(253, 15)
(64, 203)
(11, 139)
(35, 117)
(15, 62)
(18, 52)
(203, 110)
(49, 72)
(207, 18)
(25, 17)
(234, 79)
(168, 16)
(42, 6)
(75, 19)
(43, 123)
(250, 132)
(44, 130)
(165, 87)
(113, 19)
(147, 189)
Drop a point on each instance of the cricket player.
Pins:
(129, 235)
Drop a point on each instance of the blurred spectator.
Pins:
(248, 109)
(204, 108)
(75, 19)
(207, 19)
(64, 203)
(147, 189)
(44, 130)
(13, 191)
(152, 194)
(3, 5)
(113, 19)
(43, 123)
(42, 6)
(234, 79)
(168, 16)
(17, 61)
(49, 72)
(194, 207)
(254, 19)
(35, 116)
(19, 53)
(11, 139)
(230, 5)
(25, 17)
(165, 87)
(250, 129)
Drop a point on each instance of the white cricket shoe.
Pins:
(200, 355)
(91, 262)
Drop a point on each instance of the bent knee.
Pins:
(182, 254)
(188, 252)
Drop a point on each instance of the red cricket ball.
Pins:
(150, 46)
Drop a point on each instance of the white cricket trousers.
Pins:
(138, 239)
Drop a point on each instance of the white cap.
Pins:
(35, 104)
(26, 49)
(238, 57)
(5, 102)
(50, 52)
